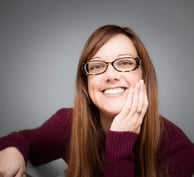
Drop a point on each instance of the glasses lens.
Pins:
(95, 67)
(125, 64)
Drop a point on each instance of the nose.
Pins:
(111, 74)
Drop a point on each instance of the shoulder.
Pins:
(172, 135)
(61, 120)
(171, 131)
(176, 148)
(63, 114)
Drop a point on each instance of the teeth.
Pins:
(114, 91)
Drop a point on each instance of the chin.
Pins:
(113, 111)
(111, 108)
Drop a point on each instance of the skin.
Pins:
(119, 96)
(10, 167)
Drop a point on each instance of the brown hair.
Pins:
(87, 141)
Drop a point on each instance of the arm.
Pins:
(16, 140)
(51, 140)
(119, 155)
(41, 145)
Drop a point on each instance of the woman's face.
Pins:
(109, 90)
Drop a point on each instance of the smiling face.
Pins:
(109, 90)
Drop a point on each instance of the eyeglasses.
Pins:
(124, 64)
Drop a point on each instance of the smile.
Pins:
(114, 91)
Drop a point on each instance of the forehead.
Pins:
(115, 46)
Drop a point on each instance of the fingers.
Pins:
(139, 106)
(127, 107)
(140, 101)
(137, 100)
(142, 105)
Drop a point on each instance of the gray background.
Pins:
(41, 41)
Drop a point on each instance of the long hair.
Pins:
(87, 138)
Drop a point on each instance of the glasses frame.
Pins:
(137, 61)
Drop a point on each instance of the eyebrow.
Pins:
(127, 54)
(118, 56)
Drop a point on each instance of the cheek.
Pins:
(92, 86)
(134, 77)
(139, 74)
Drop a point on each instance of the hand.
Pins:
(12, 163)
(131, 116)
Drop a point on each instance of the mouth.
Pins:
(114, 91)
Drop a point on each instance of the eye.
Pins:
(95, 66)
(125, 62)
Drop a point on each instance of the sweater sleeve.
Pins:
(119, 155)
(179, 151)
(48, 142)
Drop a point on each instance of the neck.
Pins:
(106, 122)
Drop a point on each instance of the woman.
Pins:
(116, 130)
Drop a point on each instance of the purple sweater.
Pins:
(51, 141)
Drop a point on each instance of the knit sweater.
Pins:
(51, 141)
